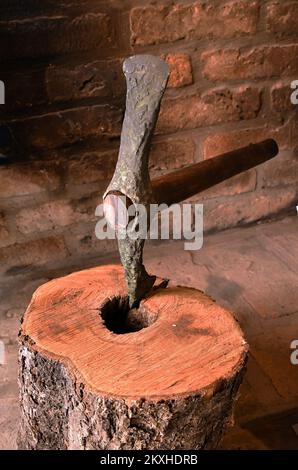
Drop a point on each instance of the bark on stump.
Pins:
(90, 380)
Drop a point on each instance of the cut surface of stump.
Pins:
(96, 375)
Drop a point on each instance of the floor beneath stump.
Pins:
(254, 272)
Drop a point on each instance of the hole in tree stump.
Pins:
(120, 319)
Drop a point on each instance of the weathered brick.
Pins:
(57, 214)
(49, 216)
(282, 17)
(85, 207)
(16, 258)
(56, 82)
(44, 36)
(215, 144)
(3, 229)
(246, 208)
(82, 239)
(91, 167)
(238, 184)
(158, 24)
(171, 155)
(22, 89)
(29, 179)
(21, 6)
(280, 172)
(66, 82)
(180, 70)
(67, 127)
(281, 97)
(259, 62)
(293, 139)
(209, 108)
(5, 235)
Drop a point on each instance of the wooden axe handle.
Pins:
(182, 184)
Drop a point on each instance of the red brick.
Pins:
(82, 239)
(92, 167)
(23, 88)
(238, 184)
(247, 208)
(180, 70)
(57, 214)
(209, 108)
(282, 17)
(171, 155)
(216, 144)
(280, 172)
(159, 24)
(66, 82)
(67, 127)
(45, 36)
(15, 258)
(5, 235)
(281, 97)
(259, 62)
(49, 216)
(28, 179)
(85, 207)
(294, 134)
(63, 82)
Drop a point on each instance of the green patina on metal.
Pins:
(146, 78)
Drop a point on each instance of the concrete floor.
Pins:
(252, 271)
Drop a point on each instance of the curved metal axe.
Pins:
(146, 78)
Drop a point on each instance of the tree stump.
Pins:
(94, 375)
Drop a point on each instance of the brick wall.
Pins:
(231, 63)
